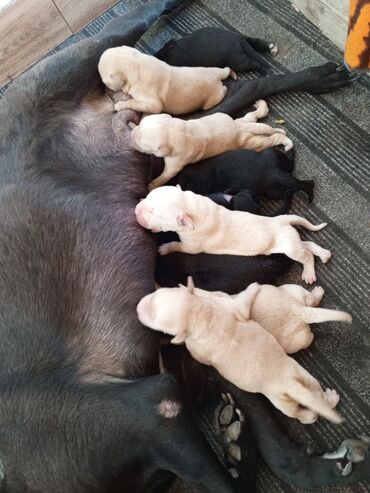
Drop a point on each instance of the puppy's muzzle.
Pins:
(139, 213)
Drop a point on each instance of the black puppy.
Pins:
(216, 47)
(267, 173)
(228, 273)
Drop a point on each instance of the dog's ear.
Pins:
(243, 301)
(190, 285)
(184, 220)
(179, 338)
(132, 125)
(179, 186)
(181, 286)
(163, 150)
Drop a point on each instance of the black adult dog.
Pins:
(267, 173)
(74, 264)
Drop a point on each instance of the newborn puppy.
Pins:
(204, 226)
(217, 47)
(155, 86)
(243, 352)
(182, 142)
(286, 312)
(267, 173)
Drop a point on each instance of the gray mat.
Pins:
(332, 137)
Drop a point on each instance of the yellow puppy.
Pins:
(243, 352)
(204, 226)
(182, 142)
(286, 312)
(155, 86)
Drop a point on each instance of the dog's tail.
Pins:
(313, 315)
(301, 221)
(314, 400)
(307, 186)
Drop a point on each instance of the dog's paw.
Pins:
(229, 422)
(164, 249)
(350, 451)
(332, 397)
(273, 49)
(262, 109)
(309, 277)
(120, 106)
(288, 144)
(325, 256)
(318, 292)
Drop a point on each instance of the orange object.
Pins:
(357, 52)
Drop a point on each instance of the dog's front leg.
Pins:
(149, 106)
(172, 166)
(173, 246)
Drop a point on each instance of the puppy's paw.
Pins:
(308, 277)
(325, 256)
(262, 109)
(164, 249)
(318, 292)
(288, 144)
(332, 397)
(120, 106)
(273, 49)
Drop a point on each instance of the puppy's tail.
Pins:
(313, 315)
(314, 400)
(301, 221)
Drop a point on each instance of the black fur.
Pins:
(267, 173)
(216, 47)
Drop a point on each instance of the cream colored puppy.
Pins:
(182, 142)
(243, 352)
(204, 226)
(286, 312)
(155, 86)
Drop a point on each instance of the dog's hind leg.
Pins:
(314, 297)
(258, 44)
(317, 250)
(291, 244)
(292, 462)
(243, 93)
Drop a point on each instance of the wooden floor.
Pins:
(31, 28)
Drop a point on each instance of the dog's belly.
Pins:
(76, 246)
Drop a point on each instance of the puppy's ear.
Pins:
(243, 301)
(163, 150)
(190, 285)
(179, 338)
(184, 220)
(132, 125)
(179, 186)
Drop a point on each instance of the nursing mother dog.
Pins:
(83, 407)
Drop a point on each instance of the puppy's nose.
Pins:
(139, 211)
